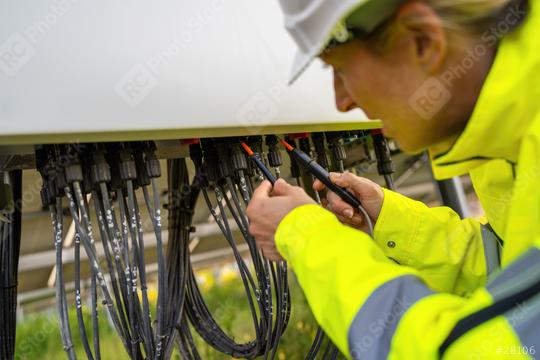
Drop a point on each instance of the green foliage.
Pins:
(38, 336)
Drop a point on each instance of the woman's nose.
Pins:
(345, 104)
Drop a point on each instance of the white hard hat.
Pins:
(314, 23)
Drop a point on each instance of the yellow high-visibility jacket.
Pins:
(430, 284)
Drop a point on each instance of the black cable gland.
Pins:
(115, 182)
(87, 184)
(142, 175)
(127, 167)
(224, 165)
(274, 155)
(304, 145)
(58, 178)
(238, 159)
(320, 149)
(153, 168)
(255, 143)
(211, 168)
(73, 172)
(46, 199)
(86, 169)
(200, 181)
(274, 158)
(271, 140)
(50, 180)
(100, 170)
(322, 158)
(386, 168)
(385, 165)
(42, 159)
(339, 152)
(196, 155)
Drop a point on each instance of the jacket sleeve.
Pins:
(453, 255)
(370, 306)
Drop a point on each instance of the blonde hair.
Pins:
(460, 18)
(474, 15)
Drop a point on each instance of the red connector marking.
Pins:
(189, 141)
(295, 136)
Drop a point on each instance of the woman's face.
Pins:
(381, 86)
(403, 83)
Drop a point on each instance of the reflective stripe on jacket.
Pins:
(444, 286)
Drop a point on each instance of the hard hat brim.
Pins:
(372, 13)
(301, 62)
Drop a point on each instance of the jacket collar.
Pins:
(508, 101)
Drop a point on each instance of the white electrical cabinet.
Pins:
(79, 70)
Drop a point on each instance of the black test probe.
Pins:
(267, 174)
(320, 173)
(324, 176)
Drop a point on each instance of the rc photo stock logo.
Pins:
(15, 53)
(260, 109)
(136, 84)
(430, 98)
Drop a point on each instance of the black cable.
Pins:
(269, 325)
(65, 331)
(133, 216)
(130, 276)
(10, 240)
(90, 251)
(123, 245)
(116, 270)
(78, 302)
(180, 206)
(133, 168)
(161, 311)
(95, 316)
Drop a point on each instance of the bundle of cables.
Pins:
(112, 175)
(268, 281)
(10, 241)
(79, 172)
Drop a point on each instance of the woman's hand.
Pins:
(268, 207)
(369, 193)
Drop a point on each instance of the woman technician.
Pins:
(460, 78)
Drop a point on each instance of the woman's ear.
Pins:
(425, 33)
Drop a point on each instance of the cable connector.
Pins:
(43, 166)
(73, 169)
(100, 171)
(222, 147)
(140, 165)
(385, 166)
(210, 162)
(153, 169)
(274, 154)
(238, 158)
(6, 195)
(295, 169)
(335, 144)
(127, 167)
(320, 150)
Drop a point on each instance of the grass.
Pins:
(38, 336)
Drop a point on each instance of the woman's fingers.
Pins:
(338, 206)
(355, 221)
(318, 185)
